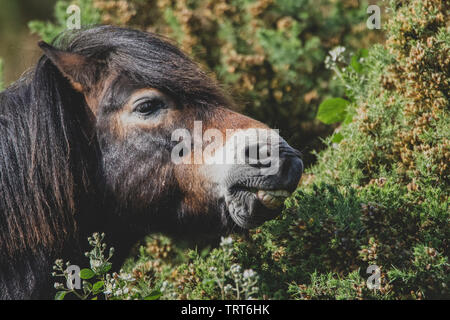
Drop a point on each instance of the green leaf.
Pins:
(60, 295)
(86, 274)
(97, 286)
(205, 252)
(155, 295)
(333, 110)
(351, 112)
(105, 268)
(354, 63)
(208, 281)
(337, 137)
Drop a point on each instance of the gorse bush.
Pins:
(380, 195)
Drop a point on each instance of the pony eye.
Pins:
(148, 107)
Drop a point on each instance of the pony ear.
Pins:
(82, 72)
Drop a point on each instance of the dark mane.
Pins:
(45, 161)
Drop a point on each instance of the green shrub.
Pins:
(332, 286)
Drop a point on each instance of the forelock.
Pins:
(148, 60)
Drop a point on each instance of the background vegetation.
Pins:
(377, 194)
(17, 46)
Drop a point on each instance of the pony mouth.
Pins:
(251, 207)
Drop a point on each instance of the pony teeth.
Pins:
(272, 199)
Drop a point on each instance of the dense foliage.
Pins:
(378, 194)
